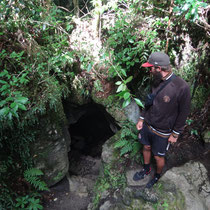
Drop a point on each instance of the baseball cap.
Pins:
(157, 59)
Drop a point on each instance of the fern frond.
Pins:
(120, 143)
(136, 148)
(31, 176)
(126, 149)
(32, 172)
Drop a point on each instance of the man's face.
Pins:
(154, 70)
(157, 76)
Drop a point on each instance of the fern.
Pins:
(128, 142)
(120, 143)
(127, 148)
(31, 176)
(135, 149)
(33, 172)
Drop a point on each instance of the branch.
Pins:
(63, 8)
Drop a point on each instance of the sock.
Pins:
(157, 176)
(147, 167)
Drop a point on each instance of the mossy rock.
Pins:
(206, 136)
(51, 147)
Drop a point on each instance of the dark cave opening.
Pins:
(89, 126)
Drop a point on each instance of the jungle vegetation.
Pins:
(45, 44)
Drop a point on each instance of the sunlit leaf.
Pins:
(4, 111)
(126, 103)
(22, 100)
(126, 95)
(89, 67)
(129, 79)
(21, 106)
(122, 87)
(139, 102)
(118, 82)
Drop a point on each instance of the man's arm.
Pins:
(139, 124)
(184, 109)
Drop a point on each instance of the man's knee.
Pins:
(159, 158)
(147, 148)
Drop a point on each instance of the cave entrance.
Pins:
(89, 127)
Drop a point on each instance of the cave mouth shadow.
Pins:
(90, 126)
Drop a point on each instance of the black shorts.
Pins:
(157, 143)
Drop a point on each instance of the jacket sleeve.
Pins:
(142, 114)
(184, 101)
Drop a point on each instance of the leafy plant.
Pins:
(28, 202)
(124, 93)
(32, 176)
(110, 180)
(128, 143)
(127, 48)
(194, 132)
(189, 8)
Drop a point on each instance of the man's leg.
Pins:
(146, 170)
(147, 154)
(160, 162)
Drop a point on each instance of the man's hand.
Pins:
(139, 124)
(172, 139)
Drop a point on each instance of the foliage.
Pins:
(6, 197)
(110, 180)
(36, 68)
(189, 8)
(130, 46)
(127, 47)
(31, 175)
(128, 142)
(31, 202)
(191, 72)
(124, 93)
(13, 101)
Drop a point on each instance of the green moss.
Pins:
(169, 197)
(137, 204)
(58, 177)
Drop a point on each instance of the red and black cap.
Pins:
(157, 59)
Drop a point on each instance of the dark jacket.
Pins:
(170, 107)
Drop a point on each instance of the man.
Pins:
(161, 123)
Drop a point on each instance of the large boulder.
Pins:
(51, 147)
(185, 188)
(192, 180)
(109, 155)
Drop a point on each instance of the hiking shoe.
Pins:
(152, 182)
(141, 174)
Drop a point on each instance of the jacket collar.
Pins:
(169, 75)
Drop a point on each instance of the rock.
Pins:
(104, 194)
(206, 136)
(141, 183)
(146, 195)
(106, 206)
(108, 155)
(191, 179)
(51, 147)
(132, 112)
(80, 186)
